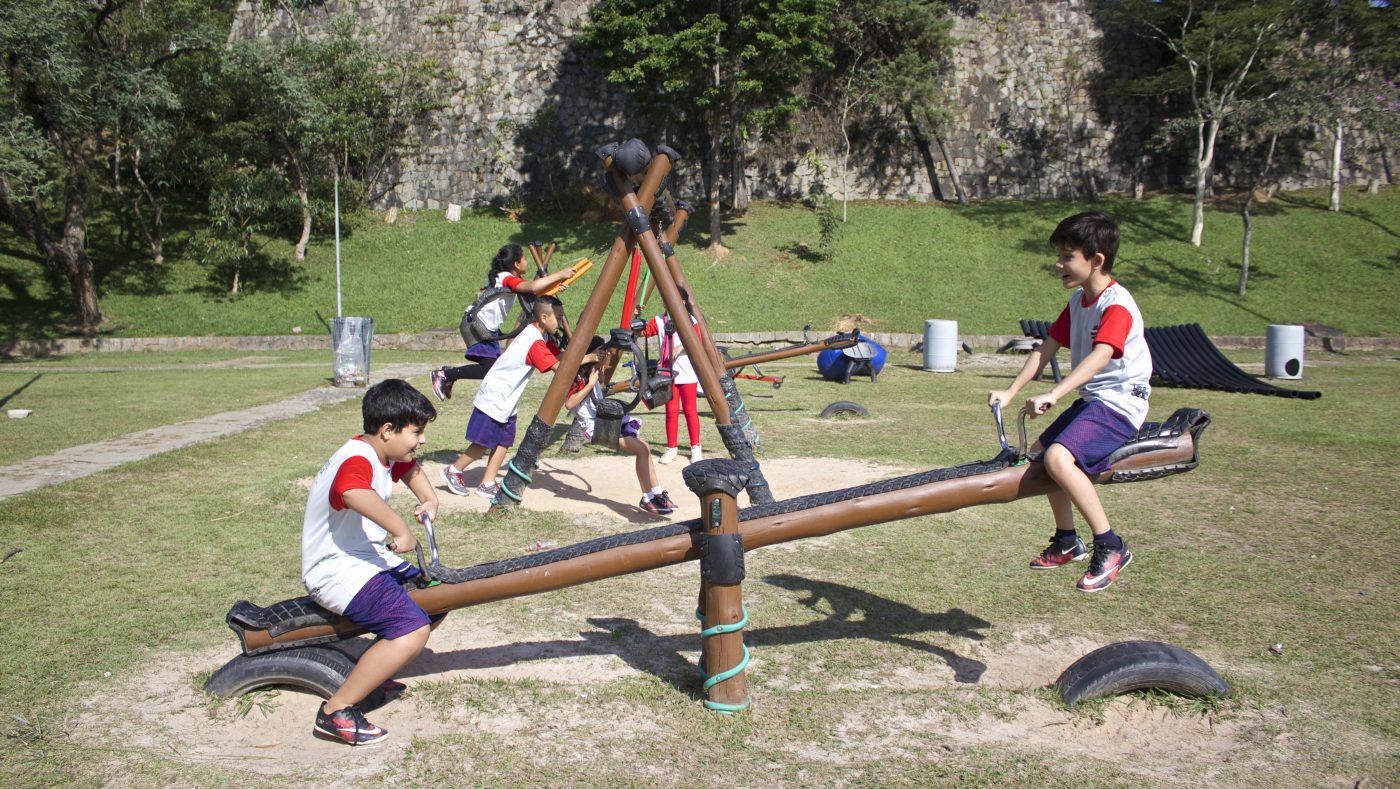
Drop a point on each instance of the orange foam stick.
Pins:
(580, 268)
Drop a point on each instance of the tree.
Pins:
(895, 53)
(83, 82)
(715, 70)
(1217, 48)
(1352, 62)
(318, 106)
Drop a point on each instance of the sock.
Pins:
(1066, 535)
(1109, 540)
(654, 492)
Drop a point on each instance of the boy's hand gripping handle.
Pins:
(432, 540)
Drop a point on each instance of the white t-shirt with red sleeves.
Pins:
(341, 550)
(493, 313)
(1112, 318)
(675, 357)
(504, 383)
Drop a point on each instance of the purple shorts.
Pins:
(383, 607)
(1091, 431)
(631, 427)
(484, 431)
(484, 351)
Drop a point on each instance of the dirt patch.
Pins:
(607, 485)
(162, 708)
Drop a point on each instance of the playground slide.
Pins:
(1184, 356)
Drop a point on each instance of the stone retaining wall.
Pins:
(526, 108)
(449, 341)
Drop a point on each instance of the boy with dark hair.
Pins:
(583, 400)
(1103, 329)
(492, 423)
(347, 565)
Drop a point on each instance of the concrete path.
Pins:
(80, 461)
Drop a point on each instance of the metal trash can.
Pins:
(350, 340)
(940, 346)
(1283, 351)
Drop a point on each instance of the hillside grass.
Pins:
(895, 265)
(1279, 537)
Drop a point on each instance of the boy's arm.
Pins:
(1035, 364)
(576, 399)
(1087, 368)
(418, 482)
(367, 503)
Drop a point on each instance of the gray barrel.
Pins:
(940, 346)
(1283, 351)
(350, 339)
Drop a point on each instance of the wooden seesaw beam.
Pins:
(1150, 457)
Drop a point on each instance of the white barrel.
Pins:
(1283, 351)
(940, 346)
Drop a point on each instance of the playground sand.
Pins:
(606, 485)
(161, 707)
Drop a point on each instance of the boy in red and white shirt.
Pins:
(347, 565)
(1111, 369)
(492, 424)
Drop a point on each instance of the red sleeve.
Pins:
(400, 470)
(653, 327)
(511, 282)
(354, 474)
(1059, 330)
(541, 355)
(1114, 328)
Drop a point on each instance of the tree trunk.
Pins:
(925, 152)
(711, 146)
(845, 163)
(1244, 212)
(299, 183)
(952, 169)
(1205, 155)
(1334, 203)
(1248, 235)
(154, 235)
(739, 187)
(73, 259)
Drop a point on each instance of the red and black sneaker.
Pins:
(347, 725)
(442, 388)
(1104, 567)
(1060, 552)
(655, 505)
(664, 499)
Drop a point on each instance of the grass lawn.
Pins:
(895, 654)
(85, 398)
(895, 265)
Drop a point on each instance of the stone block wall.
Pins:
(526, 109)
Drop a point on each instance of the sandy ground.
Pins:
(163, 709)
(589, 484)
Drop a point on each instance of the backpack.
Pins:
(475, 331)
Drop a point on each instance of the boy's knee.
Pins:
(1057, 458)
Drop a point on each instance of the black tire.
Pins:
(1134, 665)
(320, 670)
(843, 408)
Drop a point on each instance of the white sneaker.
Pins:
(695, 454)
(669, 456)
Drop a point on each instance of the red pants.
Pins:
(684, 395)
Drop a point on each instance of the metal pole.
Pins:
(338, 312)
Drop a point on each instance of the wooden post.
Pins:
(723, 654)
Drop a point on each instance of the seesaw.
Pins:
(289, 643)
